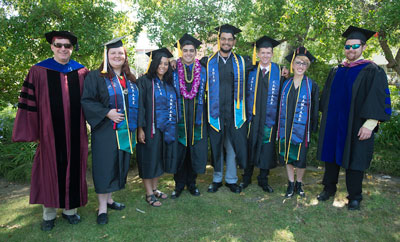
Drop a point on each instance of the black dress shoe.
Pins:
(290, 190)
(47, 225)
(72, 219)
(176, 193)
(243, 185)
(266, 188)
(102, 218)
(325, 195)
(234, 187)
(116, 206)
(213, 187)
(354, 205)
(194, 191)
(298, 187)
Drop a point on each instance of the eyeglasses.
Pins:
(227, 39)
(356, 46)
(299, 63)
(59, 45)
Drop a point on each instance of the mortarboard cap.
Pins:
(353, 32)
(227, 28)
(301, 51)
(114, 43)
(188, 39)
(265, 42)
(65, 34)
(162, 51)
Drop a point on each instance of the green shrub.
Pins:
(15, 158)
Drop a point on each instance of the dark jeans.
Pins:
(185, 174)
(262, 177)
(353, 181)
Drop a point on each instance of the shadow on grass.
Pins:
(252, 215)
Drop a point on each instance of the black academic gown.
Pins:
(238, 137)
(109, 164)
(291, 108)
(199, 149)
(262, 155)
(367, 102)
(155, 156)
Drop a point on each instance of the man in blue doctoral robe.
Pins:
(354, 100)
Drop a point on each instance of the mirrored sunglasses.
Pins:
(356, 46)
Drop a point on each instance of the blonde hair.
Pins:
(304, 59)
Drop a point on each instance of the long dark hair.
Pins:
(152, 72)
(125, 69)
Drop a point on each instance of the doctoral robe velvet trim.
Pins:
(198, 109)
(238, 95)
(58, 120)
(164, 109)
(338, 113)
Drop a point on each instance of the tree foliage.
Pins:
(315, 24)
(24, 22)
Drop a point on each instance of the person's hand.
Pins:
(141, 135)
(115, 116)
(173, 64)
(364, 133)
(285, 72)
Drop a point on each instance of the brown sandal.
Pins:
(152, 200)
(160, 194)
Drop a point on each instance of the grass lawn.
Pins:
(252, 215)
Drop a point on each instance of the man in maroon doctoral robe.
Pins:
(49, 113)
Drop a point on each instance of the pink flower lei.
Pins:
(196, 79)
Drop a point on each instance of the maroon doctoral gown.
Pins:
(49, 112)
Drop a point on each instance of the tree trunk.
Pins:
(393, 63)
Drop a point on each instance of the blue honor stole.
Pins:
(198, 108)
(126, 128)
(301, 120)
(272, 98)
(164, 109)
(239, 108)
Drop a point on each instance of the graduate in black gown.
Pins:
(190, 83)
(157, 133)
(354, 100)
(297, 118)
(110, 103)
(226, 82)
(262, 107)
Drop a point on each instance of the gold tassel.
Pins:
(105, 61)
(178, 44)
(219, 42)
(148, 66)
(291, 63)
(254, 55)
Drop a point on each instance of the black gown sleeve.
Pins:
(204, 61)
(142, 81)
(377, 103)
(248, 63)
(93, 100)
(314, 107)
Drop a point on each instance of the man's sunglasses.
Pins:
(59, 45)
(356, 46)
